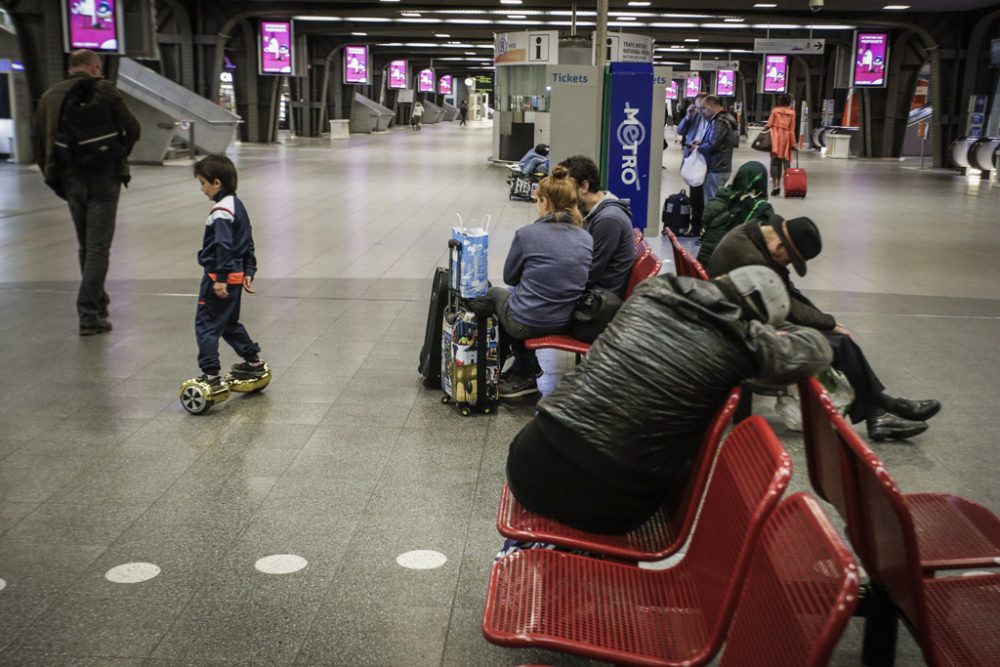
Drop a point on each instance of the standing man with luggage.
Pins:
(717, 145)
(692, 129)
(82, 136)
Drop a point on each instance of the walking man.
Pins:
(82, 136)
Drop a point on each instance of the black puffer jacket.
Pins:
(647, 390)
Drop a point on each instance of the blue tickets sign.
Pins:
(628, 134)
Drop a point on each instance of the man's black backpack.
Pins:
(677, 213)
(89, 135)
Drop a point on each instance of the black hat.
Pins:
(801, 239)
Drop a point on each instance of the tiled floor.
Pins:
(346, 460)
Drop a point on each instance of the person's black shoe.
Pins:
(915, 410)
(98, 327)
(515, 385)
(248, 370)
(775, 192)
(887, 425)
(214, 381)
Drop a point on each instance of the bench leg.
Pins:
(745, 407)
(878, 648)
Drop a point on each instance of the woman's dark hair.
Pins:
(784, 100)
(217, 166)
(559, 189)
(581, 168)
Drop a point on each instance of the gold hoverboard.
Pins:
(197, 396)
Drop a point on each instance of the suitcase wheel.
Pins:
(487, 411)
(465, 412)
(445, 399)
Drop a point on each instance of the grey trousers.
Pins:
(93, 204)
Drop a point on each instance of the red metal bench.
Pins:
(953, 532)
(955, 620)
(646, 266)
(663, 535)
(628, 615)
(641, 244)
(684, 263)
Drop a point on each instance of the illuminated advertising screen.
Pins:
(775, 74)
(275, 47)
(425, 81)
(692, 86)
(92, 24)
(398, 74)
(444, 85)
(725, 83)
(355, 64)
(871, 55)
(671, 91)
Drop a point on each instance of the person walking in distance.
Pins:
(82, 135)
(782, 125)
(463, 111)
(418, 114)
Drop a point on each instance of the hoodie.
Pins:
(610, 223)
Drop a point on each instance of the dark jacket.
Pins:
(640, 401)
(227, 250)
(720, 140)
(610, 223)
(745, 199)
(745, 246)
(47, 122)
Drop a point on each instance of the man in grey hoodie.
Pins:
(609, 221)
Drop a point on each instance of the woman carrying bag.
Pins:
(781, 123)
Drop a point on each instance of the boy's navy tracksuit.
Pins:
(227, 256)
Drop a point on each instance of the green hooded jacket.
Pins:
(745, 199)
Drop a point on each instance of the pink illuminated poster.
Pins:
(775, 74)
(92, 24)
(671, 91)
(725, 83)
(444, 85)
(425, 81)
(692, 86)
(275, 47)
(398, 74)
(355, 64)
(871, 54)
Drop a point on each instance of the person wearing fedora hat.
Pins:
(778, 243)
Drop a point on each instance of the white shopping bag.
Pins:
(694, 169)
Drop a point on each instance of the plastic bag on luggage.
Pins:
(475, 240)
(836, 385)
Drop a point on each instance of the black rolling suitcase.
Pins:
(430, 354)
(676, 215)
(470, 369)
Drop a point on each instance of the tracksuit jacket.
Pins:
(227, 251)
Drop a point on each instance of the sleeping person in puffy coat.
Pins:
(535, 161)
(624, 427)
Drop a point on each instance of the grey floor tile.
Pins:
(31, 658)
(91, 525)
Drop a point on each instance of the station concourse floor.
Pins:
(346, 460)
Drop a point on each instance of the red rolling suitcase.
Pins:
(795, 184)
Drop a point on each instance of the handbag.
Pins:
(694, 169)
(762, 142)
(594, 311)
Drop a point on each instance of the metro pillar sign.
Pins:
(628, 117)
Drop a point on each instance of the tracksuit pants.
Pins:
(217, 317)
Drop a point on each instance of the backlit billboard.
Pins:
(425, 81)
(355, 64)
(692, 86)
(398, 74)
(671, 91)
(444, 85)
(92, 24)
(725, 83)
(775, 74)
(275, 47)
(871, 56)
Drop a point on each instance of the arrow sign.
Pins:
(800, 46)
(714, 65)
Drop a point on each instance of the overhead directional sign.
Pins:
(802, 46)
(714, 65)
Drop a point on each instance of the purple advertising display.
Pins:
(775, 74)
(871, 54)
(398, 76)
(275, 47)
(671, 91)
(355, 64)
(692, 86)
(92, 24)
(444, 85)
(725, 83)
(425, 81)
